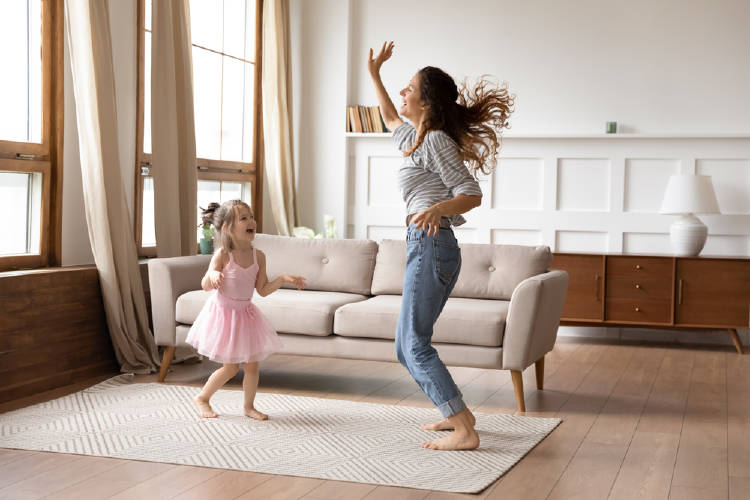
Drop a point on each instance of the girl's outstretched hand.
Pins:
(216, 278)
(374, 64)
(298, 281)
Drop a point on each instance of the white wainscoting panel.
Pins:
(377, 233)
(595, 193)
(466, 234)
(517, 184)
(727, 244)
(646, 243)
(382, 174)
(582, 241)
(530, 237)
(583, 184)
(731, 180)
(645, 183)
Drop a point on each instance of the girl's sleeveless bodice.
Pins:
(239, 282)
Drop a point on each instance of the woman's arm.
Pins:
(387, 109)
(429, 220)
(214, 277)
(265, 287)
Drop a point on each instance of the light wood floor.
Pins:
(638, 422)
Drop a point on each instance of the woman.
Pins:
(449, 131)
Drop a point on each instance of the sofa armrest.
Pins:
(533, 318)
(168, 279)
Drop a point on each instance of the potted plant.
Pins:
(207, 228)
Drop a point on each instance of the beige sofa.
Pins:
(503, 313)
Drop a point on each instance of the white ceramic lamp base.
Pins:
(688, 235)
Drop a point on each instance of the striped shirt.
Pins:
(434, 172)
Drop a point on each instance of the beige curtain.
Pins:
(277, 131)
(173, 130)
(110, 231)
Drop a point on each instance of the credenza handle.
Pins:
(598, 280)
(679, 292)
(637, 285)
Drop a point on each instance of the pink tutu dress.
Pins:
(230, 328)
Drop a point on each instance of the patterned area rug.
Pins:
(310, 437)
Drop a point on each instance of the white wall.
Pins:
(651, 65)
(76, 247)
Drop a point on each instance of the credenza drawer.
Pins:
(645, 287)
(639, 311)
(640, 267)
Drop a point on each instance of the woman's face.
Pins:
(244, 225)
(412, 106)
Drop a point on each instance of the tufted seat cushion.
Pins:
(289, 311)
(463, 321)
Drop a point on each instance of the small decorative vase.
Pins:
(207, 246)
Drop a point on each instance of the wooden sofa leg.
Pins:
(539, 365)
(166, 360)
(518, 387)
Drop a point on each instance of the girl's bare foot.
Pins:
(204, 408)
(445, 424)
(253, 413)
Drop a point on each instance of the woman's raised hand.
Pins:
(374, 63)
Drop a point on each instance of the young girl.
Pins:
(230, 329)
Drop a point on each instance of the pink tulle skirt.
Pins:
(232, 331)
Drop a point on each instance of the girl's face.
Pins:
(243, 229)
(412, 106)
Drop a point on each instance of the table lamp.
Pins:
(688, 195)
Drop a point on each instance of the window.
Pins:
(31, 104)
(225, 52)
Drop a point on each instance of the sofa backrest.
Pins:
(487, 271)
(334, 265)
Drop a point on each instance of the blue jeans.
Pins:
(432, 266)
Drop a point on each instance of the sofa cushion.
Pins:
(334, 265)
(463, 321)
(289, 311)
(487, 271)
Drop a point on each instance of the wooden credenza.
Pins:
(657, 291)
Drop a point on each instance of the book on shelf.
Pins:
(365, 119)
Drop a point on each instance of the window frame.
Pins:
(207, 169)
(44, 157)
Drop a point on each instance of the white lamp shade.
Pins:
(690, 194)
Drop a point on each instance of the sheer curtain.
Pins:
(277, 133)
(173, 130)
(110, 231)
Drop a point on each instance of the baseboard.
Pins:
(696, 337)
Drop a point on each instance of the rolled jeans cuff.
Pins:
(452, 406)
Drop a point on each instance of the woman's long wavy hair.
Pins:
(472, 116)
(224, 218)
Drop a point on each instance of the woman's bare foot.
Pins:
(445, 424)
(456, 440)
(204, 408)
(464, 437)
(253, 413)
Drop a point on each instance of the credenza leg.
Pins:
(736, 340)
